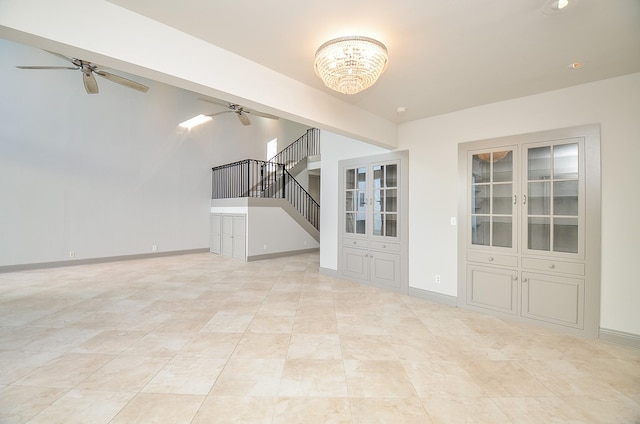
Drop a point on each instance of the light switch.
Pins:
(453, 220)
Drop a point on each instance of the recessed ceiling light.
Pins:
(401, 109)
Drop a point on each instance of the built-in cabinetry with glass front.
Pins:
(530, 227)
(372, 245)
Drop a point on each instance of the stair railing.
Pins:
(307, 145)
(258, 178)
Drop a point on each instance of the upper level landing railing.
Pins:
(257, 178)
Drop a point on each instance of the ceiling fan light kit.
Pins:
(350, 64)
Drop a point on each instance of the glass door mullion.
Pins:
(554, 197)
(384, 207)
(551, 205)
(492, 201)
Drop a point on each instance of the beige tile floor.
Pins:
(203, 339)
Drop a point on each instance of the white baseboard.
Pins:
(620, 338)
(281, 254)
(329, 272)
(434, 297)
(89, 261)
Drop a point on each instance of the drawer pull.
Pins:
(355, 242)
(552, 266)
(490, 259)
(384, 246)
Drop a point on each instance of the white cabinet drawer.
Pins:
(553, 266)
(388, 247)
(492, 259)
(347, 242)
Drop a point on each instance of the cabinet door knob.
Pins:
(384, 246)
(490, 259)
(551, 266)
(524, 280)
(515, 278)
(355, 242)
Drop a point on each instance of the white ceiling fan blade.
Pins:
(215, 102)
(90, 83)
(219, 113)
(68, 59)
(243, 118)
(47, 67)
(122, 81)
(261, 114)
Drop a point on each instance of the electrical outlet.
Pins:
(437, 279)
(154, 247)
(72, 254)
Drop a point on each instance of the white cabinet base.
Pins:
(553, 299)
(229, 236)
(355, 264)
(385, 269)
(493, 288)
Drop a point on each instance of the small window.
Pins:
(272, 148)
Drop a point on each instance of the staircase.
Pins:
(273, 178)
(295, 155)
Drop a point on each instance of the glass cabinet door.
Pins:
(371, 200)
(492, 198)
(553, 197)
(385, 200)
(355, 200)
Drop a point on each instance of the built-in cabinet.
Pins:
(215, 237)
(373, 230)
(228, 235)
(529, 238)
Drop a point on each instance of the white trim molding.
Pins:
(90, 261)
(620, 338)
(443, 299)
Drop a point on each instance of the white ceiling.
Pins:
(444, 55)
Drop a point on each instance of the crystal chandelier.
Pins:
(350, 64)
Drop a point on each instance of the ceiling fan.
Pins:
(240, 111)
(88, 70)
